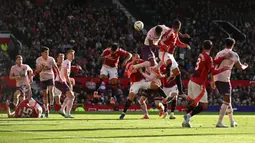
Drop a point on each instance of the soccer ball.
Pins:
(138, 25)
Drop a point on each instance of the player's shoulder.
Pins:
(107, 49)
(39, 58)
(14, 66)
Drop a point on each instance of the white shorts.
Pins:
(169, 91)
(195, 89)
(143, 84)
(111, 71)
(57, 92)
(164, 56)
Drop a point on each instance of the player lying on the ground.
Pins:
(222, 81)
(196, 87)
(28, 108)
(23, 75)
(109, 68)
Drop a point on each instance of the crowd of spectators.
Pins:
(90, 27)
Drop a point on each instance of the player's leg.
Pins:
(70, 96)
(17, 94)
(103, 75)
(113, 82)
(223, 89)
(233, 123)
(68, 102)
(198, 95)
(51, 86)
(44, 91)
(143, 105)
(132, 92)
(173, 105)
(57, 94)
(39, 110)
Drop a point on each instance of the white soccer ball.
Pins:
(138, 25)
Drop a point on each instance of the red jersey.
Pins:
(112, 59)
(24, 110)
(134, 76)
(169, 40)
(204, 66)
(164, 81)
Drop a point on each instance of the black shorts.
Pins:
(224, 88)
(46, 83)
(146, 53)
(62, 86)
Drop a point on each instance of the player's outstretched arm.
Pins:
(241, 66)
(9, 113)
(182, 45)
(129, 56)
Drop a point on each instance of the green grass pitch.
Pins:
(106, 128)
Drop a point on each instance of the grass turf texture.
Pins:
(107, 128)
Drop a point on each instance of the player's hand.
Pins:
(228, 56)
(245, 65)
(185, 36)
(18, 77)
(213, 85)
(188, 47)
(72, 81)
(7, 103)
(123, 64)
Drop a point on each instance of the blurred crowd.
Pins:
(89, 27)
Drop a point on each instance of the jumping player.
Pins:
(111, 59)
(65, 85)
(23, 75)
(222, 80)
(44, 66)
(167, 44)
(196, 87)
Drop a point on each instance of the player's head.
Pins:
(70, 54)
(114, 47)
(135, 57)
(45, 52)
(176, 25)
(60, 58)
(229, 43)
(158, 30)
(207, 45)
(19, 59)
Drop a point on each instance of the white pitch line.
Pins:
(67, 137)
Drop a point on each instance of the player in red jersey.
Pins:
(167, 44)
(28, 108)
(170, 88)
(111, 59)
(196, 87)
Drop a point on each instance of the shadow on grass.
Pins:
(98, 129)
(142, 136)
(49, 119)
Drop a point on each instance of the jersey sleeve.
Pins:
(180, 44)
(123, 52)
(12, 71)
(211, 67)
(53, 61)
(29, 68)
(218, 59)
(105, 52)
(235, 57)
(150, 34)
(38, 63)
